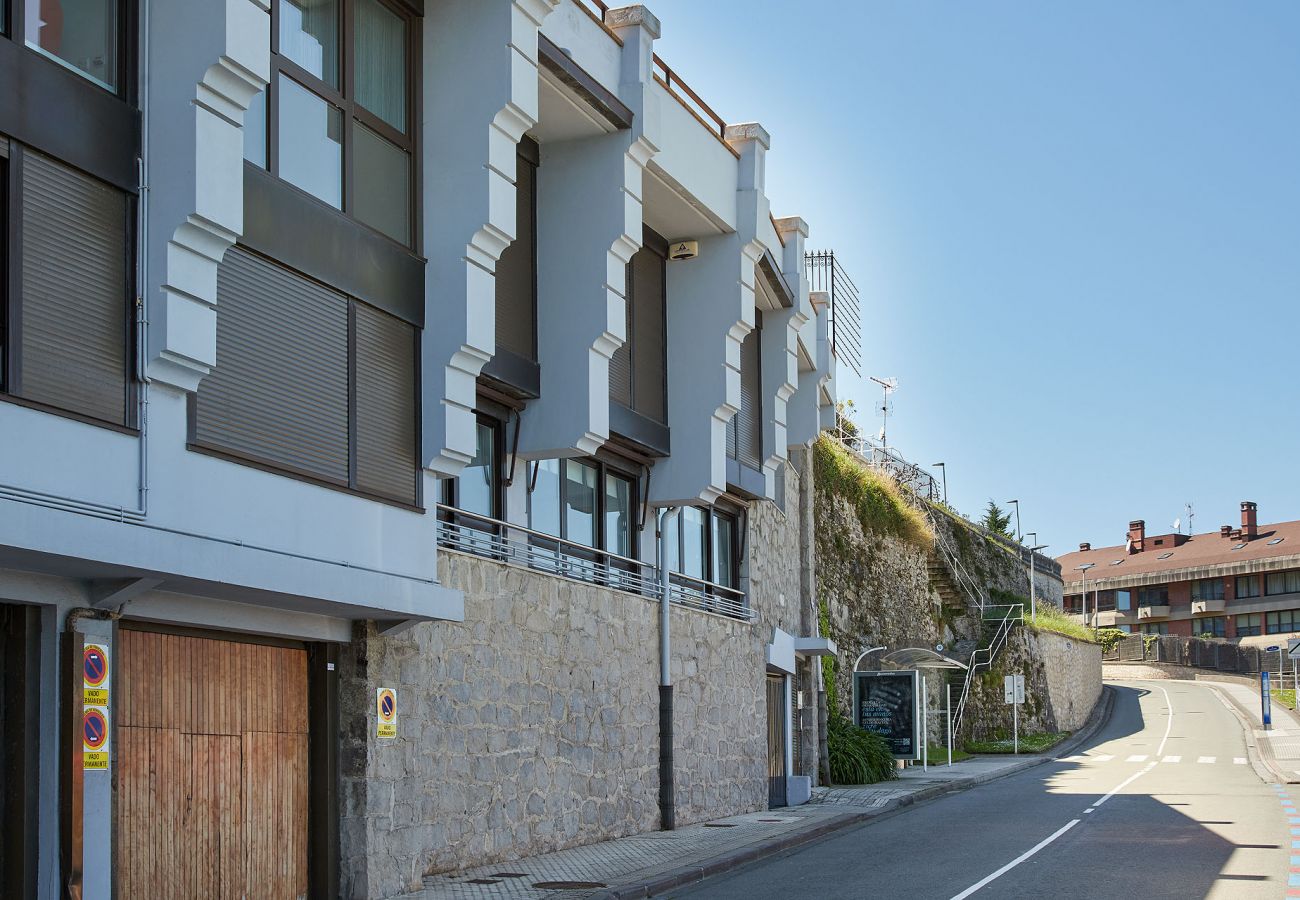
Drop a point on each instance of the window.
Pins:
(310, 381)
(477, 488)
(1214, 626)
(81, 35)
(340, 109)
(1282, 582)
(1164, 555)
(1207, 589)
(745, 429)
(1073, 604)
(1276, 541)
(586, 501)
(66, 329)
(1246, 586)
(1248, 625)
(1154, 596)
(703, 544)
(1282, 621)
(1123, 600)
(638, 370)
(1154, 628)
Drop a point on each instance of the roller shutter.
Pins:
(385, 398)
(745, 430)
(74, 334)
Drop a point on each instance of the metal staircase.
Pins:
(982, 659)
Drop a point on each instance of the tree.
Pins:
(997, 521)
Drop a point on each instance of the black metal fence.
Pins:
(826, 274)
(1200, 653)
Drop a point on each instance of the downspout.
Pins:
(667, 806)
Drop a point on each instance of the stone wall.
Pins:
(533, 725)
(1062, 684)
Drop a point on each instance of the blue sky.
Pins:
(1075, 227)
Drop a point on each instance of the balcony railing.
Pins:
(513, 544)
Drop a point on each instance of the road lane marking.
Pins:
(1017, 861)
(1104, 757)
(1137, 757)
(1125, 783)
(1205, 759)
(1172, 759)
(1239, 760)
(1169, 722)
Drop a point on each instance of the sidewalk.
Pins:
(646, 864)
(1278, 747)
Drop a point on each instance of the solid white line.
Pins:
(1015, 862)
(1125, 783)
(1169, 722)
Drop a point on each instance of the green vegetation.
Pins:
(1285, 697)
(857, 756)
(1109, 638)
(828, 662)
(939, 754)
(997, 521)
(1029, 743)
(878, 501)
(1048, 618)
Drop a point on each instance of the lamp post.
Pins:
(1016, 504)
(943, 469)
(1034, 547)
(1084, 569)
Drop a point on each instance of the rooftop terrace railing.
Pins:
(516, 545)
(826, 274)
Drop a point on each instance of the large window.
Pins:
(703, 544)
(1153, 596)
(66, 327)
(310, 381)
(1282, 621)
(338, 117)
(1249, 624)
(1246, 586)
(1207, 589)
(1123, 601)
(1282, 582)
(1154, 628)
(82, 35)
(585, 501)
(1214, 626)
(478, 487)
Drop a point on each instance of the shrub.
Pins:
(856, 755)
(877, 499)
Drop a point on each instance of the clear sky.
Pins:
(1075, 227)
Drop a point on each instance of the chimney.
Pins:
(1249, 520)
(1085, 546)
(1137, 535)
(1225, 530)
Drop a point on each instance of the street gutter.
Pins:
(734, 859)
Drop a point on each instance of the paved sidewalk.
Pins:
(1279, 746)
(630, 866)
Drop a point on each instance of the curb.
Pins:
(1262, 759)
(725, 862)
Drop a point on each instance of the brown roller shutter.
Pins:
(648, 362)
(279, 392)
(517, 270)
(74, 335)
(749, 421)
(385, 404)
(620, 364)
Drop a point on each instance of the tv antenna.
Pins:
(1189, 516)
(888, 386)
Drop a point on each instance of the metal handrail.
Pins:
(519, 545)
(595, 11)
(692, 102)
(1015, 614)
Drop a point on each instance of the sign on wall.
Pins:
(886, 703)
(386, 713)
(94, 699)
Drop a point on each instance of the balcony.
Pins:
(515, 545)
(1205, 607)
(1110, 618)
(1146, 613)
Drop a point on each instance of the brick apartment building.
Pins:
(1237, 582)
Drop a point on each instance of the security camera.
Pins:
(683, 250)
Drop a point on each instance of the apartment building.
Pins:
(1241, 581)
(360, 361)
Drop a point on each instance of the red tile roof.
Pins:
(1198, 550)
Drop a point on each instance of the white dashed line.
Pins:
(1239, 760)
(1205, 759)
(1103, 757)
(1172, 759)
(1137, 757)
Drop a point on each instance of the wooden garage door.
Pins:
(211, 768)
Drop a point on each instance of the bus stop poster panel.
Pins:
(887, 704)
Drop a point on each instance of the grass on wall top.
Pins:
(876, 498)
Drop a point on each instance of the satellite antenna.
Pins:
(888, 385)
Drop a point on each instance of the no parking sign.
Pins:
(386, 713)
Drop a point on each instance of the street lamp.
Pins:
(944, 469)
(1016, 504)
(1034, 548)
(1084, 569)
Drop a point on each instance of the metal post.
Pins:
(1015, 723)
(667, 804)
(949, 724)
(925, 728)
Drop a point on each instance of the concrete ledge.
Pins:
(726, 862)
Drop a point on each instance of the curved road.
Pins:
(1161, 803)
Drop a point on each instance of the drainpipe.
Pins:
(667, 807)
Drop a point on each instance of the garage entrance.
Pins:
(212, 768)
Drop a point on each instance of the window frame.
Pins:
(15, 31)
(451, 486)
(1161, 592)
(1248, 630)
(343, 99)
(603, 468)
(1216, 587)
(1250, 594)
(1283, 574)
(736, 518)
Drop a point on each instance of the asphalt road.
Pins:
(1161, 803)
